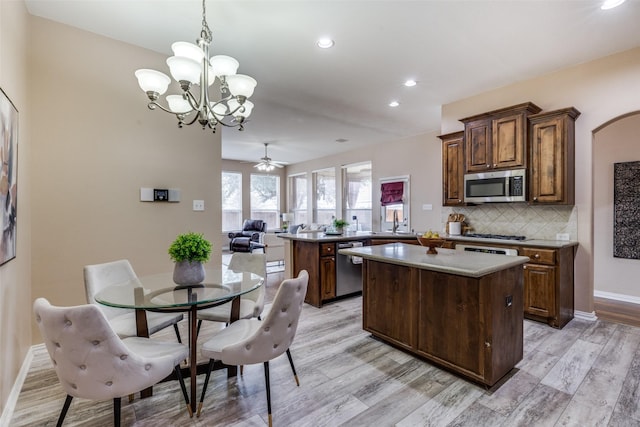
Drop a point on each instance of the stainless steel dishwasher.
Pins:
(348, 271)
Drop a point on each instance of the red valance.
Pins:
(391, 193)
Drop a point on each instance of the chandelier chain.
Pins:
(206, 33)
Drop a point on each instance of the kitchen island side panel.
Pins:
(472, 326)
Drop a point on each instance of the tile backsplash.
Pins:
(534, 222)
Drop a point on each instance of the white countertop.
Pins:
(470, 264)
(318, 236)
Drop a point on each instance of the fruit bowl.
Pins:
(431, 243)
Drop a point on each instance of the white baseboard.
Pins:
(10, 406)
(617, 297)
(584, 315)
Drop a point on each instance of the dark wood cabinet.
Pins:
(552, 172)
(497, 139)
(453, 169)
(328, 276)
(548, 285)
(472, 326)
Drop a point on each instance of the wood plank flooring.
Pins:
(587, 374)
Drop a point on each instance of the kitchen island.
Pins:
(462, 311)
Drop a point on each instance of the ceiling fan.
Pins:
(266, 164)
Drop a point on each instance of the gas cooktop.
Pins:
(495, 236)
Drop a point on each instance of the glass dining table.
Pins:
(158, 293)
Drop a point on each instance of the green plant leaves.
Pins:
(190, 247)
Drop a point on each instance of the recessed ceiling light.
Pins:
(394, 104)
(610, 4)
(410, 83)
(325, 43)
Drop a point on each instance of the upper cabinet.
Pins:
(497, 139)
(552, 171)
(453, 169)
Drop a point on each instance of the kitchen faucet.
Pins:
(395, 221)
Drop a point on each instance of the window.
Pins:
(394, 201)
(298, 199)
(357, 196)
(231, 201)
(265, 199)
(325, 196)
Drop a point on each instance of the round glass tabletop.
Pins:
(159, 291)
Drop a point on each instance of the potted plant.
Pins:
(189, 251)
(339, 224)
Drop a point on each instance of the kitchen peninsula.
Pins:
(462, 311)
(317, 253)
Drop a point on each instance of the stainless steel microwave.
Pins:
(499, 186)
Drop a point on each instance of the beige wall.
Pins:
(418, 156)
(95, 144)
(15, 275)
(616, 142)
(601, 90)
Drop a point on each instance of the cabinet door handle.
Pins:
(488, 166)
(487, 344)
(524, 267)
(459, 201)
(535, 199)
(495, 165)
(536, 256)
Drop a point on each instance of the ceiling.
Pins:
(308, 98)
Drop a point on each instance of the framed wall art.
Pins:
(626, 210)
(8, 177)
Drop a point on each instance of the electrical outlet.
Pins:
(562, 236)
(427, 207)
(198, 205)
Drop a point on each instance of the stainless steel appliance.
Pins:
(498, 186)
(348, 271)
(487, 249)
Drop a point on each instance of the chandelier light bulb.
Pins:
(178, 105)
(241, 85)
(152, 81)
(610, 4)
(224, 65)
(188, 50)
(184, 69)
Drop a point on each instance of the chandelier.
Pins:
(191, 66)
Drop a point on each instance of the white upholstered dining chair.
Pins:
(250, 341)
(251, 303)
(123, 321)
(92, 362)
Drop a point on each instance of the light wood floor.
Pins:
(587, 374)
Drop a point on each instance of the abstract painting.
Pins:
(8, 177)
(626, 210)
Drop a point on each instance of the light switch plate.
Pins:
(198, 205)
(427, 207)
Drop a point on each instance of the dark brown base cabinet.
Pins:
(472, 326)
(319, 259)
(548, 285)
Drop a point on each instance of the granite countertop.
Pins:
(470, 264)
(318, 236)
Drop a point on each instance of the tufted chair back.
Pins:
(277, 330)
(90, 360)
(99, 276)
(257, 264)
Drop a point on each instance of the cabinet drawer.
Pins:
(327, 249)
(540, 256)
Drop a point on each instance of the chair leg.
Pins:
(268, 387)
(295, 375)
(116, 412)
(184, 389)
(204, 387)
(175, 328)
(65, 408)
